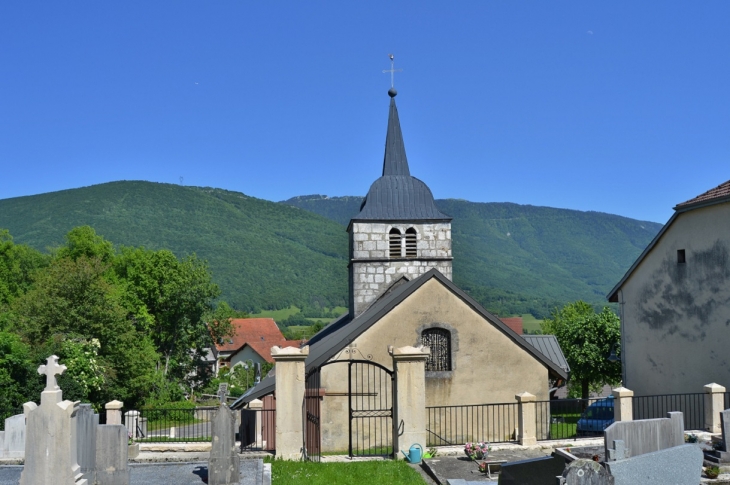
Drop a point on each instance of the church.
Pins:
(402, 294)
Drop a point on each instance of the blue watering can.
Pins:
(414, 453)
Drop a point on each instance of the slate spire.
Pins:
(395, 161)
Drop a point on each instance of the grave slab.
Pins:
(112, 461)
(14, 446)
(224, 462)
(721, 456)
(252, 473)
(86, 423)
(535, 471)
(681, 465)
(587, 472)
(646, 435)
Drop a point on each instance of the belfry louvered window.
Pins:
(394, 243)
(439, 340)
(411, 243)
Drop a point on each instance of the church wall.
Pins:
(675, 317)
(487, 365)
(371, 269)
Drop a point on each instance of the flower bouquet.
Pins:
(477, 451)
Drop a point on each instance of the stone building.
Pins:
(674, 302)
(401, 294)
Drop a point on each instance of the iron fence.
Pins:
(692, 406)
(456, 425)
(170, 425)
(561, 419)
(257, 430)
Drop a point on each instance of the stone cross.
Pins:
(223, 392)
(50, 370)
(618, 452)
(725, 428)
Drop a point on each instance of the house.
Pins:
(252, 341)
(401, 294)
(674, 302)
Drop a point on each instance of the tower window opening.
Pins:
(394, 241)
(411, 243)
(681, 258)
(439, 340)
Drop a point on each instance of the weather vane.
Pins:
(392, 70)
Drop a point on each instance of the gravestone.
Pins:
(224, 462)
(535, 471)
(86, 423)
(619, 451)
(646, 435)
(50, 447)
(721, 455)
(14, 443)
(112, 455)
(586, 472)
(680, 465)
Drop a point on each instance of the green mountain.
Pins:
(519, 257)
(262, 254)
(267, 255)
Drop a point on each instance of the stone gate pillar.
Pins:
(290, 383)
(714, 405)
(623, 405)
(409, 364)
(526, 422)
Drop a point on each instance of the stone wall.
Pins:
(373, 270)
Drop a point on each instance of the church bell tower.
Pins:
(398, 233)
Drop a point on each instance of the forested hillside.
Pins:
(261, 254)
(265, 255)
(525, 259)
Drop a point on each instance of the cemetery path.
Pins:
(158, 474)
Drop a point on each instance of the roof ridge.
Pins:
(721, 191)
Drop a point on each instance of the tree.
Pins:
(587, 338)
(19, 380)
(219, 321)
(172, 297)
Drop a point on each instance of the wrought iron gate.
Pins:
(371, 409)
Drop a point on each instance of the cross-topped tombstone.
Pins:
(51, 369)
(223, 392)
(619, 451)
(51, 435)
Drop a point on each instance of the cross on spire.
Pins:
(51, 369)
(392, 70)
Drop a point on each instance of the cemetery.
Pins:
(63, 442)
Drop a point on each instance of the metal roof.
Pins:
(548, 345)
(323, 348)
(397, 195)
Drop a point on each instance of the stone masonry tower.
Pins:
(399, 232)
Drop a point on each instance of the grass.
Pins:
(309, 473)
(278, 315)
(567, 429)
(530, 323)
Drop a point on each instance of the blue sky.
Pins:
(620, 107)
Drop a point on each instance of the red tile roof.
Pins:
(515, 323)
(259, 333)
(720, 192)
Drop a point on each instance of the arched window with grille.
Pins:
(439, 340)
(394, 243)
(411, 243)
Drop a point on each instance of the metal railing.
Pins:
(170, 425)
(561, 419)
(257, 430)
(456, 425)
(691, 405)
